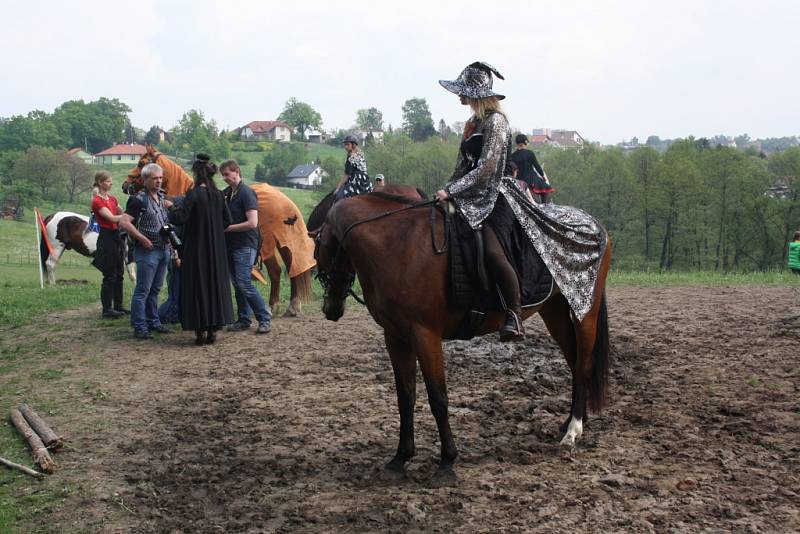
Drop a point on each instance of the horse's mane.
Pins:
(401, 194)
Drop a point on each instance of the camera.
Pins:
(169, 231)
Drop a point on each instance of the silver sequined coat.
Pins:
(570, 241)
(474, 185)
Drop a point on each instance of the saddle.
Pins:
(470, 284)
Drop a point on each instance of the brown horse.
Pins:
(404, 285)
(279, 221)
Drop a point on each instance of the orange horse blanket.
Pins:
(281, 225)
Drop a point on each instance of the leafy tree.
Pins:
(280, 161)
(78, 177)
(260, 173)
(300, 116)
(444, 130)
(195, 134)
(369, 119)
(96, 125)
(417, 121)
(642, 163)
(44, 168)
(153, 135)
(34, 129)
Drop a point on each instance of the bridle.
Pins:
(326, 277)
(140, 166)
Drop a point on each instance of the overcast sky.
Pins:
(609, 69)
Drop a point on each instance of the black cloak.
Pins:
(205, 283)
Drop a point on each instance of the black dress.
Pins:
(205, 283)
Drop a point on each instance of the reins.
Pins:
(324, 277)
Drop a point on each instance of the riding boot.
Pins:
(200, 337)
(508, 284)
(117, 295)
(106, 290)
(211, 336)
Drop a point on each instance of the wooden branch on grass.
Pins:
(26, 470)
(51, 440)
(40, 455)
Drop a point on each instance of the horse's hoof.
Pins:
(290, 312)
(393, 473)
(444, 478)
(567, 442)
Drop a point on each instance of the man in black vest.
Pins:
(147, 215)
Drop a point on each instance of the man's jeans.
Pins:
(248, 299)
(150, 268)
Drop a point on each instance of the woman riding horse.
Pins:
(393, 247)
(474, 187)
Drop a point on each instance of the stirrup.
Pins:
(512, 328)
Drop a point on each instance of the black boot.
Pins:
(200, 337)
(211, 336)
(512, 329)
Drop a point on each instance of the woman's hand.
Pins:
(441, 195)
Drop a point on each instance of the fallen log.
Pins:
(51, 440)
(26, 470)
(40, 455)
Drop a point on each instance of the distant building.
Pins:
(120, 154)
(306, 176)
(377, 136)
(566, 139)
(315, 136)
(266, 130)
(82, 154)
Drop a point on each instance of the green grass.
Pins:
(702, 278)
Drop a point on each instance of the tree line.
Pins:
(676, 204)
(693, 207)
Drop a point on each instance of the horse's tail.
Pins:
(44, 250)
(601, 360)
(303, 284)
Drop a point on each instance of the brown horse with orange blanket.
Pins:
(279, 220)
(391, 244)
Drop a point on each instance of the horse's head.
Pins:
(319, 213)
(134, 183)
(334, 271)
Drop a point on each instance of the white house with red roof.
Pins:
(126, 154)
(81, 154)
(268, 130)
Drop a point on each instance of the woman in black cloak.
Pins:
(206, 294)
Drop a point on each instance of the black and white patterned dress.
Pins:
(358, 182)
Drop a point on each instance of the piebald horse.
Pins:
(66, 230)
(279, 220)
(391, 246)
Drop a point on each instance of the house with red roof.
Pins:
(81, 154)
(266, 130)
(128, 154)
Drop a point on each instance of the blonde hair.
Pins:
(482, 107)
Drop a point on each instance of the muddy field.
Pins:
(288, 432)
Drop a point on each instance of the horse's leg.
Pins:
(274, 273)
(588, 362)
(294, 302)
(558, 320)
(428, 346)
(404, 364)
(52, 261)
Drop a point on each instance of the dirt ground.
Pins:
(288, 432)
